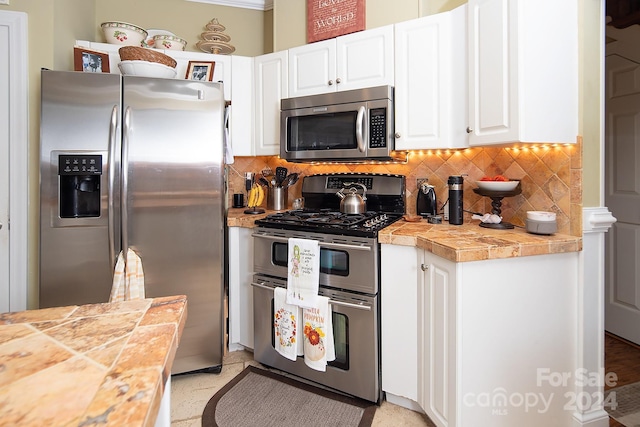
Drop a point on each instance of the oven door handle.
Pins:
(322, 244)
(331, 301)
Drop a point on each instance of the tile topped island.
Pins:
(91, 365)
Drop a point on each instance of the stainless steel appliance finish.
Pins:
(355, 125)
(349, 276)
(345, 262)
(154, 150)
(356, 370)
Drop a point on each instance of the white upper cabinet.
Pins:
(523, 71)
(242, 106)
(271, 85)
(430, 81)
(358, 60)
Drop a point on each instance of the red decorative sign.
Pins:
(331, 18)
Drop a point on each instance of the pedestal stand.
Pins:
(496, 205)
(254, 211)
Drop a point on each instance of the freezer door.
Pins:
(79, 156)
(173, 210)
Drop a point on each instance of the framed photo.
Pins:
(200, 70)
(90, 61)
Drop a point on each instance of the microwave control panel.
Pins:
(378, 128)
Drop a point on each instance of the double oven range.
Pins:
(349, 276)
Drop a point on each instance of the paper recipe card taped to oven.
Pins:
(332, 18)
(303, 274)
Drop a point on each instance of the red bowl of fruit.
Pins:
(497, 183)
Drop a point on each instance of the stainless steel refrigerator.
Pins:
(135, 162)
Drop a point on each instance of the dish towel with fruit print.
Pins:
(318, 335)
(303, 276)
(285, 325)
(128, 278)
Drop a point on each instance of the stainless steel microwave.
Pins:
(350, 126)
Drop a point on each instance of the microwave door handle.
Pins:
(360, 129)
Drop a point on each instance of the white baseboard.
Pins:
(404, 402)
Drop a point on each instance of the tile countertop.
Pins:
(237, 217)
(90, 365)
(470, 242)
(458, 243)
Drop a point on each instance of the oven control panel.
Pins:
(338, 182)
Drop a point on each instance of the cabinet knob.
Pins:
(424, 267)
(469, 130)
(397, 135)
(338, 81)
(330, 82)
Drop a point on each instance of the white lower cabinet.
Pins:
(480, 343)
(240, 247)
(399, 322)
(437, 338)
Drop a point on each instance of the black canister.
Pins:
(455, 199)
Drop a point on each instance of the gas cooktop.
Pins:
(331, 222)
(385, 205)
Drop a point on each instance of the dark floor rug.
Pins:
(627, 400)
(260, 398)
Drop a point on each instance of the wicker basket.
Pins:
(134, 53)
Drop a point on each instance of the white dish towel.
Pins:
(285, 325)
(128, 278)
(303, 276)
(319, 347)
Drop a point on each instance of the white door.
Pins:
(493, 112)
(271, 85)
(622, 197)
(312, 68)
(13, 161)
(365, 59)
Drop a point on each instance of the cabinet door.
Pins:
(242, 106)
(240, 247)
(493, 112)
(365, 59)
(312, 68)
(437, 339)
(271, 73)
(523, 71)
(430, 82)
(399, 271)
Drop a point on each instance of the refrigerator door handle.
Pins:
(124, 192)
(111, 161)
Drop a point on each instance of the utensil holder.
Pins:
(277, 198)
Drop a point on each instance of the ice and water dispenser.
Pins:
(79, 180)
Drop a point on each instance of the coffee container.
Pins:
(455, 199)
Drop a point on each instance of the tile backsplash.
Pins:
(550, 175)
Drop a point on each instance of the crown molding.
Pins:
(246, 4)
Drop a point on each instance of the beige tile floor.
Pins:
(190, 394)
